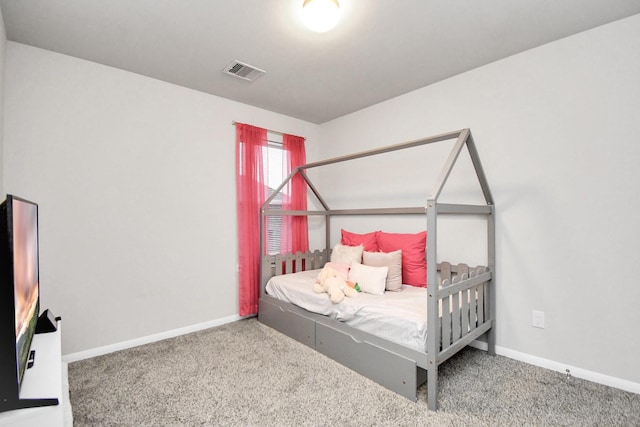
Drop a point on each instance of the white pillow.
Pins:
(371, 280)
(347, 254)
(393, 260)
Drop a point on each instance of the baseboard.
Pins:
(99, 351)
(563, 368)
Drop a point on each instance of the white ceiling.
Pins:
(379, 50)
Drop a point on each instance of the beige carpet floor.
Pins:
(247, 374)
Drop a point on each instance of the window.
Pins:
(259, 169)
(275, 171)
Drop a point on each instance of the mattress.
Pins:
(400, 317)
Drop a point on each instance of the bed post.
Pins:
(433, 324)
(491, 255)
(261, 262)
(491, 242)
(327, 234)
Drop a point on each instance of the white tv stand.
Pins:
(46, 379)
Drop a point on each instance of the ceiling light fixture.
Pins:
(320, 15)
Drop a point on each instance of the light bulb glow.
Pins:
(320, 15)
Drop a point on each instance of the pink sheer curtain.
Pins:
(251, 194)
(294, 234)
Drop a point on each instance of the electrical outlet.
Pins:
(537, 319)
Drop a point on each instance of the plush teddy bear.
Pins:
(332, 282)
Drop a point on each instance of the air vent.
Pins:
(243, 71)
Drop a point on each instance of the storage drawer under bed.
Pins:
(388, 369)
(352, 348)
(288, 321)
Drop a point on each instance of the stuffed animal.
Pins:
(332, 282)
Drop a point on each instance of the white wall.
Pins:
(135, 182)
(135, 240)
(3, 44)
(557, 130)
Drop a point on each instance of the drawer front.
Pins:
(290, 323)
(387, 368)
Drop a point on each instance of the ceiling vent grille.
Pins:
(243, 71)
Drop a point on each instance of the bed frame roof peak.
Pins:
(463, 138)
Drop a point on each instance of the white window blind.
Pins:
(275, 172)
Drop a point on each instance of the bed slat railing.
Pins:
(288, 263)
(319, 259)
(473, 307)
(445, 308)
(464, 308)
(462, 295)
(485, 289)
(480, 293)
(308, 260)
(463, 274)
(445, 270)
(278, 264)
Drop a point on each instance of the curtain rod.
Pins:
(273, 131)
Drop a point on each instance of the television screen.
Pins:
(19, 300)
(23, 223)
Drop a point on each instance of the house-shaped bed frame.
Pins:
(460, 308)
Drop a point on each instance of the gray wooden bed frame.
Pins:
(460, 309)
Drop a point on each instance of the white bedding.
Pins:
(400, 317)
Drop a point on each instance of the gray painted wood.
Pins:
(457, 330)
(445, 272)
(467, 284)
(491, 263)
(288, 263)
(298, 262)
(446, 320)
(433, 303)
(399, 373)
(296, 326)
(476, 291)
(464, 296)
(480, 289)
(473, 307)
(302, 326)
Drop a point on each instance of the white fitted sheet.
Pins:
(400, 317)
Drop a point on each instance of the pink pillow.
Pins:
(367, 240)
(414, 262)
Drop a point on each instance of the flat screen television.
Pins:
(19, 298)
